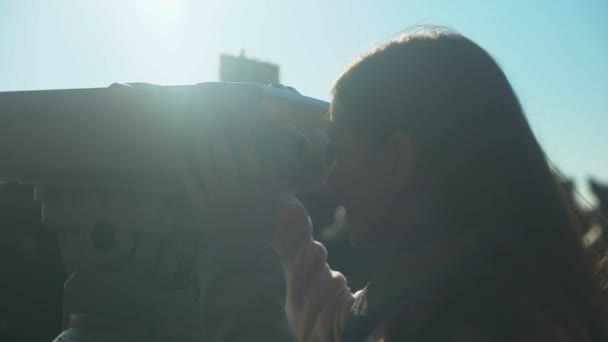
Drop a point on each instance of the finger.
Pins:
(206, 160)
(224, 161)
(254, 200)
(200, 175)
(187, 166)
(249, 162)
(269, 181)
(281, 160)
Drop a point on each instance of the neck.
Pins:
(415, 262)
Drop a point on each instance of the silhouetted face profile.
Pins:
(432, 147)
(368, 177)
(428, 135)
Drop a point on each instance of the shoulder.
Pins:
(543, 333)
(484, 315)
(513, 319)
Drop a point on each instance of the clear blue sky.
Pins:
(554, 52)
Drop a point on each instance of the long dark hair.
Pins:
(485, 168)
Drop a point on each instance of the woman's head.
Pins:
(431, 142)
(440, 123)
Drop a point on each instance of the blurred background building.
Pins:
(243, 69)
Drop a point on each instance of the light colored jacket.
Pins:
(242, 281)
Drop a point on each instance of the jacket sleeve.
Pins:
(318, 300)
(242, 294)
(249, 292)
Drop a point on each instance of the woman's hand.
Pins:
(234, 188)
(233, 185)
(294, 227)
(231, 180)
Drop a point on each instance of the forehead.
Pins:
(339, 130)
(336, 117)
(335, 110)
(336, 127)
(341, 124)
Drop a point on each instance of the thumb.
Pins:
(294, 226)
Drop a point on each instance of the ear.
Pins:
(401, 154)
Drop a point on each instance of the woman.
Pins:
(442, 178)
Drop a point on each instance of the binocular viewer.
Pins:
(103, 163)
(129, 135)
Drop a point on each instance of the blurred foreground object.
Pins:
(32, 271)
(106, 167)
